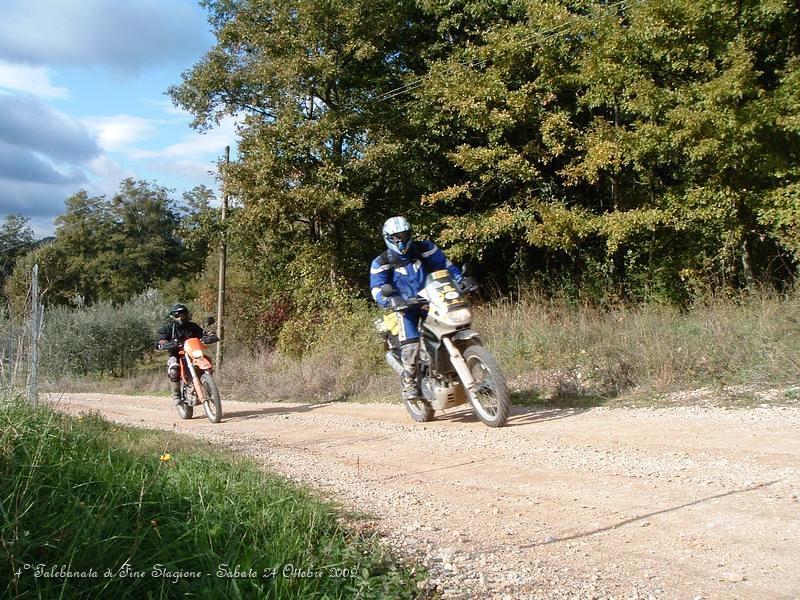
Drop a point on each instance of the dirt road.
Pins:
(625, 503)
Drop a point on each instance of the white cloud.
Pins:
(169, 108)
(30, 80)
(197, 145)
(125, 35)
(118, 133)
(106, 175)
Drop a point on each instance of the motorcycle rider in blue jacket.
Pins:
(405, 264)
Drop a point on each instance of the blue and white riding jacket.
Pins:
(407, 272)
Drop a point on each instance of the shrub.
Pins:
(102, 338)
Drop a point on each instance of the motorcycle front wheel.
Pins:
(490, 399)
(213, 403)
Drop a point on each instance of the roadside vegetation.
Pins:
(84, 496)
(553, 350)
(633, 162)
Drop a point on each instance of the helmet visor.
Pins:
(400, 238)
(180, 315)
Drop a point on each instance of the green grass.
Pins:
(83, 495)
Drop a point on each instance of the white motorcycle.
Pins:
(453, 367)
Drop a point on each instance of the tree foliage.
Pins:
(16, 238)
(113, 249)
(640, 148)
(318, 160)
(648, 137)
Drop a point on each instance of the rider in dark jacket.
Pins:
(179, 329)
(405, 264)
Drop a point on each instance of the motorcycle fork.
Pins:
(460, 365)
(198, 387)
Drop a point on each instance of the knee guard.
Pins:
(173, 371)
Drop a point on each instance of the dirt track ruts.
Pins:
(599, 503)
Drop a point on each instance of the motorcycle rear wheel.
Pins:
(185, 411)
(213, 403)
(420, 410)
(491, 400)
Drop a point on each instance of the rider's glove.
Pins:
(467, 284)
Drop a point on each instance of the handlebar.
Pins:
(398, 303)
(208, 338)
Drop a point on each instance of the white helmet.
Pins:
(397, 234)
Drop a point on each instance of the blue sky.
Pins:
(82, 102)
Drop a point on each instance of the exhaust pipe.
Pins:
(392, 361)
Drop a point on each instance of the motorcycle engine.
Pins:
(442, 394)
(188, 395)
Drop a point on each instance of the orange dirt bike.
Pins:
(197, 379)
(453, 367)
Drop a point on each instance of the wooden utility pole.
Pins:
(223, 255)
(33, 391)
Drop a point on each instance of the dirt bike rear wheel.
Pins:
(490, 400)
(185, 411)
(420, 411)
(213, 403)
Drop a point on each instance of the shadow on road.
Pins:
(520, 415)
(528, 416)
(533, 398)
(566, 538)
(243, 415)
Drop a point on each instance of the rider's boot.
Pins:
(176, 392)
(408, 356)
(174, 374)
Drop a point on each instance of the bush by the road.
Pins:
(102, 338)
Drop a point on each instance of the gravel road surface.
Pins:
(599, 503)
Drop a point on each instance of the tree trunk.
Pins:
(747, 262)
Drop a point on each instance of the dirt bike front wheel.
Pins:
(213, 403)
(490, 399)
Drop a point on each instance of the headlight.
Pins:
(460, 316)
(197, 354)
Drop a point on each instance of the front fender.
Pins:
(463, 335)
(202, 363)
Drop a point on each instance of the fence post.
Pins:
(33, 391)
(223, 252)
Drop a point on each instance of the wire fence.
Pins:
(15, 356)
(20, 336)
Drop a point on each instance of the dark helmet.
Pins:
(179, 312)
